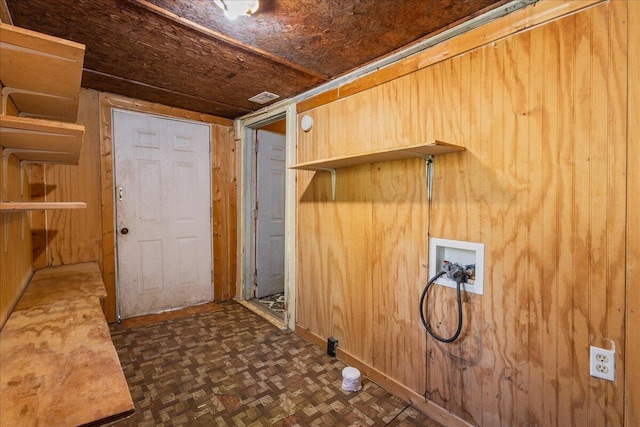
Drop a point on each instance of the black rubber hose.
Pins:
(422, 309)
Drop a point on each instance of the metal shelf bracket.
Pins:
(333, 180)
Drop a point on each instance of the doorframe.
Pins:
(245, 129)
(107, 102)
(115, 208)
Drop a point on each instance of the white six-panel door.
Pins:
(163, 225)
(270, 224)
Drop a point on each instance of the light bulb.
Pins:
(234, 8)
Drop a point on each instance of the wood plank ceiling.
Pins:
(187, 54)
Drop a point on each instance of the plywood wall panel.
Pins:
(349, 256)
(38, 187)
(398, 270)
(75, 236)
(315, 234)
(15, 228)
(352, 130)
(534, 100)
(614, 59)
(632, 369)
(15, 257)
(547, 302)
(542, 184)
(223, 189)
(387, 126)
(312, 145)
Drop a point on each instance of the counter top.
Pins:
(58, 365)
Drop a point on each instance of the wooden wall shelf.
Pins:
(29, 136)
(420, 150)
(41, 74)
(425, 151)
(39, 206)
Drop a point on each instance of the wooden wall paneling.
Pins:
(223, 186)
(312, 145)
(315, 253)
(38, 186)
(542, 185)
(566, 213)
(107, 103)
(488, 137)
(108, 209)
(387, 127)
(473, 329)
(548, 307)
(306, 251)
(632, 368)
(15, 262)
(74, 236)
(220, 219)
(433, 100)
(495, 242)
(415, 111)
(351, 130)
(582, 237)
(399, 245)
(523, 172)
(233, 211)
(347, 224)
(600, 198)
(444, 109)
(535, 227)
(615, 21)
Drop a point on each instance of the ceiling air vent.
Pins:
(264, 97)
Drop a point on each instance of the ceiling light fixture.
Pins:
(234, 8)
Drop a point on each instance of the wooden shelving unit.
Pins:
(39, 206)
(40, 74)
(34, 135)
(421, 150)
(425, 151)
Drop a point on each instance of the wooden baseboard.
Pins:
(416, 400)
(311, 337)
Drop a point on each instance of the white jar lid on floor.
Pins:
(351, 379)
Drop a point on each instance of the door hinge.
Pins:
(255, 146)
(254, 213)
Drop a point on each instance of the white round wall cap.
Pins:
(306, 123)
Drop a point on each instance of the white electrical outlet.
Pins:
(603, 363)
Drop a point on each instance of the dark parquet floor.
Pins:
(230, 367)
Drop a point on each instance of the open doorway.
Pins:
(268, 286)
(267, 213)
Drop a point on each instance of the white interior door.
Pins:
(163, 225)
(270, 224)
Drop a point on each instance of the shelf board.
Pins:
(39, 206)
(47, 140)
(41, 64)
(420, 150)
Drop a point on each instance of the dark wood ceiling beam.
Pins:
(162, 89)
(226, 39)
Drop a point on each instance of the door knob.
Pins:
(124, 230)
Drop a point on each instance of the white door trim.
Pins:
(245, 129)
(113, 110)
